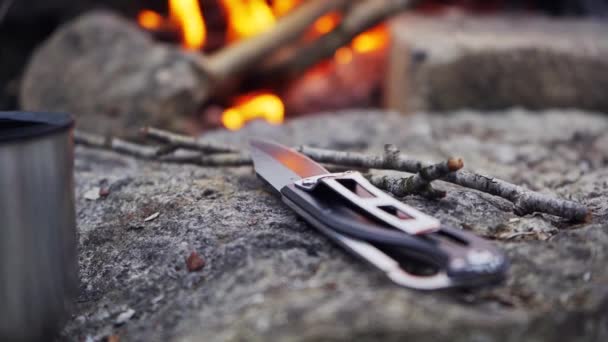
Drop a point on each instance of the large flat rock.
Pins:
(269, 276)
(496, 62)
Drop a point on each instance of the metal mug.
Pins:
(38, 260)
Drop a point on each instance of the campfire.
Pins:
(196, 65)
(187, 22)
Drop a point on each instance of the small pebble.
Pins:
(113, 338)
(587, 276)
(194, 262)
(124, 317)
(135, 226)
(93, 194)
(157, 299)
(104, 192)
(152, 217)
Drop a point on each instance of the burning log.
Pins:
(361, 17)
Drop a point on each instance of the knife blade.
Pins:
(413, 249)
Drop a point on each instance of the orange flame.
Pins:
(260, 105)
(374, 39)
(190, 18)
(185, 14)
(247, 18)
(150, 20)
(282, 7)
(326, 23)
(343, 55)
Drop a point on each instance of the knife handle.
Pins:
(378, 258)
(334, 213)
(359, 192)
(460, 254)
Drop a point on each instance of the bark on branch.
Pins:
(117, 145)
(186, 142)
(420, 183)
(161, 153)
(215, 160)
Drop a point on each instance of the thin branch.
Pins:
(360, 18)
(117, 145)
(420, 183)
(159, 153)
(524, 200)
(362, 160)
(186, 142)
(216, 160)
(165, 150)
(401, 187)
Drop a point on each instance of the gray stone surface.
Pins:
(269, 276)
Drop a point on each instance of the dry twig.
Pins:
(186, 142)
(160, 153)
(524, 200)
(117, 145)
(215, 160)
(420, 183)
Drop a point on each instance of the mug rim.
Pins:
(21, 125)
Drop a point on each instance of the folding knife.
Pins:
(413, 249)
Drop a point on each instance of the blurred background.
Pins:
(442, 55)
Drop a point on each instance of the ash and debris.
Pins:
(222, 259)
